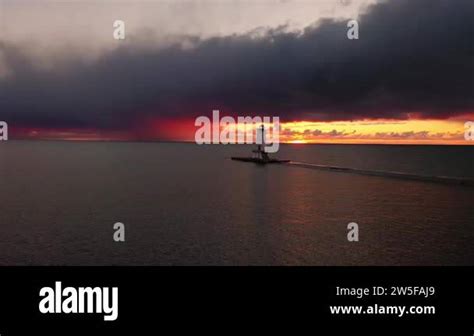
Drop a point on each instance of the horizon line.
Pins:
(389, 143)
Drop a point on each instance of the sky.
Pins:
(409, 78)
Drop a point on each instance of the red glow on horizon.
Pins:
(168, 129)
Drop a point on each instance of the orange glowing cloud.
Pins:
(376, 132)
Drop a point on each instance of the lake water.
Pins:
(184, 204)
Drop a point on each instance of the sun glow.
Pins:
(375, 131)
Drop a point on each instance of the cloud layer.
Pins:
(413, 59)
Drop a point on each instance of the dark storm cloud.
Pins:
(412, 56)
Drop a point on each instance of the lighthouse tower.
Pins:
(260, 151)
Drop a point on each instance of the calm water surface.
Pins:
(184, 204)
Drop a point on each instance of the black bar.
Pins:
(161, 300)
